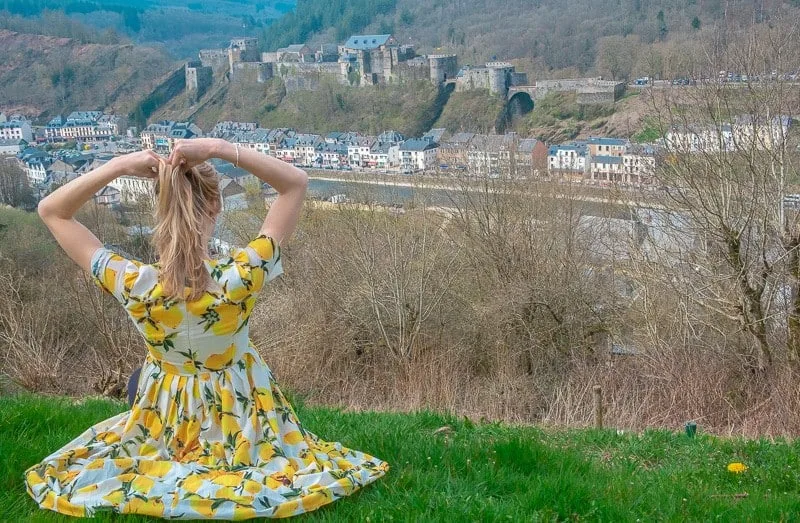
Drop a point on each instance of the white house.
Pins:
(700, 138)
(36, 169)
(16, 130)
(359, 151)
(257, 139)
(305, 148)
(417, 155)
(569, 158)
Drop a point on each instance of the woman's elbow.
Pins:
(44, 209)
(302, 180)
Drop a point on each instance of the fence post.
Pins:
(598, 407)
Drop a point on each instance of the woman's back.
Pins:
(205, 334)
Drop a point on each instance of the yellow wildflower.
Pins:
(736, 467)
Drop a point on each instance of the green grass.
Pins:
(477, 472)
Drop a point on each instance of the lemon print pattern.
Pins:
(209, 435)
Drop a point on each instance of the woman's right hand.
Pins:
(191, 152)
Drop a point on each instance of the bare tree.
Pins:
(727, 164)
(14, 188)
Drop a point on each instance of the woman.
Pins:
(209, 434)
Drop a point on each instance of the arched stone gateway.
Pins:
(520, 102)
(530, 90)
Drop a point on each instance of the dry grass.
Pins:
(503, 312)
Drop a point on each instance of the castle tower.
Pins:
(443, 67)
(499, 77)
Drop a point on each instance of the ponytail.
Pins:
(187, 201)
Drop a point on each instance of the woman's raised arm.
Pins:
(58, 208)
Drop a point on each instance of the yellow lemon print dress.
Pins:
(209, 436)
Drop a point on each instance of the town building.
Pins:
(132, 188)
(108, 195)
(84, 126)
(16, 130)
(531, 158)
(305, 148)
(453, 153)
(359, 151)
(569, 159)
(639, 164)
(37, 169)
(606, 168)
(228, 129)
(233, 195)
(12, 147)
(599, 146)
(161, 136)
(417, 155)
(491, 154)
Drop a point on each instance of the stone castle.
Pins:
(365, 60)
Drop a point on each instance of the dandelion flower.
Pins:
(737, 468)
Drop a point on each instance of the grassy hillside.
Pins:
(45, 75)
(411, 109)
(448, 469)
(558, 117)
(471, 111)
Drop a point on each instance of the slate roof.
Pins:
(366, 42)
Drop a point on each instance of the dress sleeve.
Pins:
(258, 262)
(110, 272)
(264, 253)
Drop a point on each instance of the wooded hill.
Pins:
(45, 75)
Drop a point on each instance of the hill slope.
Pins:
(180, 27)
(410, 109)
(45, 75)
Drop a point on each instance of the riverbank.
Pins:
(541, 189)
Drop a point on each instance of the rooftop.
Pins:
(607, 159)
(365, 42)
(417, 144)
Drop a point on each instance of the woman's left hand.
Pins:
(143, 164)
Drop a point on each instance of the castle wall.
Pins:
(412, 70)
(215, 58)
(251, 72)
(477, 78)
(518, 78)
(592, 90)
(308, 76)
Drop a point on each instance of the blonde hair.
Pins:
(187, 200)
